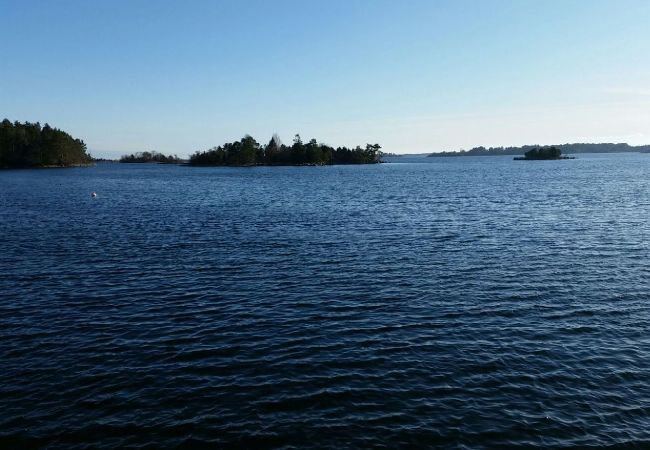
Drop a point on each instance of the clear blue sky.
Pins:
(414, 76)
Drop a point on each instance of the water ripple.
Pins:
(474, 303)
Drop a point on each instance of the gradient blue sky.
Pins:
(415, 76)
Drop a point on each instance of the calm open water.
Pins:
(478, 302)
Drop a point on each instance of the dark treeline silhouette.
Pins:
(104, 160)
(248, 152)
(543, 153)
(149, 157)
(565, 148)
(30, 145)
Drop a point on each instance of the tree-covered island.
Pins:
(248, 152)
(150, 157)
(544, 153)
(24, 145)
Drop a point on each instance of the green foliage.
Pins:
(149, 157)
(30, 145)
(247, 152)
(543, 153)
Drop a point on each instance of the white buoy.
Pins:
(93, 194)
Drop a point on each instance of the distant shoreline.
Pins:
(566, 149)
(49, 166)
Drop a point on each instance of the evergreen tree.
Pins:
(247, 151)
(30, 145)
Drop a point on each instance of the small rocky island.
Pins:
(542, 154)
(248, 152)
(25, 145)
(150, 157)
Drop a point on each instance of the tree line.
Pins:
(32, 145)
(248, 152)
(150, 157)
(566, 148)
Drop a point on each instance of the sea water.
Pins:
(474, 301)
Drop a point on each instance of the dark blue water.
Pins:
(478, 302)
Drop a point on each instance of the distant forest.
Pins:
(565, 148)
(248, 152)
(150, 157)
(32, 145)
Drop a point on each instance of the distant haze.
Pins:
(424, 76)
